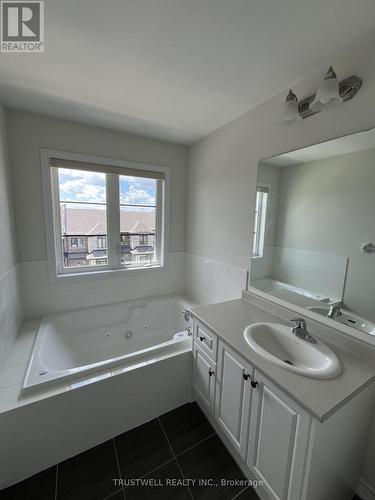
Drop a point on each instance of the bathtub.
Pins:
(81, 344)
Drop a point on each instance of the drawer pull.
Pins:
(202, 339)
(211, 372)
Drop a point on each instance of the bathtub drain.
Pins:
(43, 372)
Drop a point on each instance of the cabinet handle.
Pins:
(246, 376)
(202, 338)
(254, 384)
(211, 372)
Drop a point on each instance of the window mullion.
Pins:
(113, 221)
(159, 229)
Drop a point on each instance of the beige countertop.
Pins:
(319, 397)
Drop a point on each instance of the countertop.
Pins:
(320, 397)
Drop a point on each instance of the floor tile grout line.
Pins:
(240, 493)
(178, 455)
(118, 465)
(116, 457)
(157, 468)
(175, 458)
(196, 444)
(183, 477)
(113, 494)
(56, 479)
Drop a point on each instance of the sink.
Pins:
(347, 318)
(276, 343)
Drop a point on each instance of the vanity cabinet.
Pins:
(233, 389)
(294, 455)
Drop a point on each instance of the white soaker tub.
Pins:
(87, 341)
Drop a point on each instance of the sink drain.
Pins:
(288, 362)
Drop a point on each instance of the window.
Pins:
(260, 221)
(125, 239)
(143, 239)
(104, 217)
(102, 241)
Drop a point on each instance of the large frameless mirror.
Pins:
(314, 232)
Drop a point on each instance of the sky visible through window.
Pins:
(89, 187)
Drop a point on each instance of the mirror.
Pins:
(314, 234)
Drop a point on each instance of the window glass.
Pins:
(260, 222)
(83, 216)
(138, 220)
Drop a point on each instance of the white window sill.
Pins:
(104, 274)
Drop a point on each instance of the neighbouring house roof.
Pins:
(125, 248)
(142, 249)
(76, 221)
(75, 255)
(97, 254)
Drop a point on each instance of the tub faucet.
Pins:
(300, 330)
(334, 311)
(187, 314)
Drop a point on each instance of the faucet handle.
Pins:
(300, 329)
(300, 322)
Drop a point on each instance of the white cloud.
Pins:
(138, 197)
(77, 185)
(80, 185)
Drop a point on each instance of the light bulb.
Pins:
(291, 111)
(327, 93)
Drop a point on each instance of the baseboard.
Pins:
(365, 491)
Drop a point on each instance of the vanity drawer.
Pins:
(206, 340)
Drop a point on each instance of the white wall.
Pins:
(28, 133)
(223, 166)
(10, 307)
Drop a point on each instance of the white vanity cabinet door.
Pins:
(233, 396)
(278, 441)
(204, 375)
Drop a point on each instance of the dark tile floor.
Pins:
(180, 445)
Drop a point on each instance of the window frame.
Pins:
(260, 235)
(53, 223)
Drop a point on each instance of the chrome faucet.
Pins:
(300, 330)
(334, 311)
(187, 314)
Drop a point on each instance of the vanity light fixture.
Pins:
(329, 93)
(368, 248)
(291, 110)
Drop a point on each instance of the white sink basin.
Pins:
(277, 344)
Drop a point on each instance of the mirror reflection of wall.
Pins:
(315, 209)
